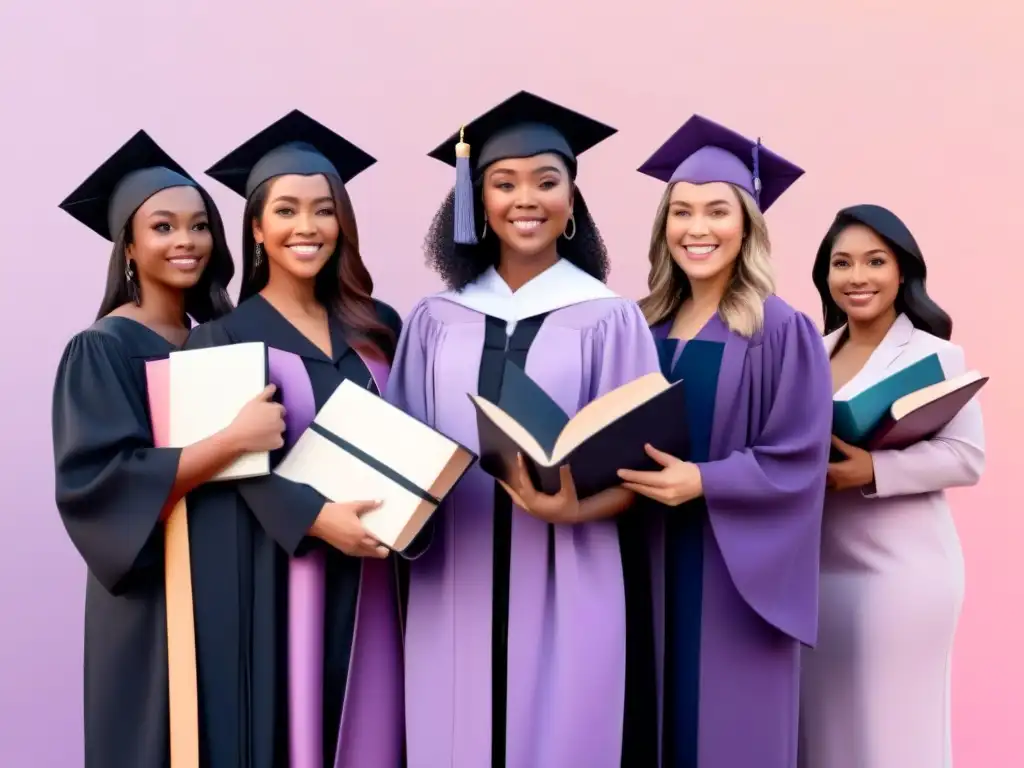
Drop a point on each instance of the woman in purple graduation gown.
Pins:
(516, 633)
(737, 522)
(876, 688)
(169, 265)
(307, 667)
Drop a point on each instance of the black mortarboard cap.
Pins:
(521, 126)
(294, 144)
(107, 200)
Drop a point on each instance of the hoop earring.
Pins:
(133, 286)
(572, 220)
(484, 233)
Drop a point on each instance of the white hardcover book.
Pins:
(362, 448)
(208, 387)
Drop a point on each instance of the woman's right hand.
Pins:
(259, 426)
(339, 525)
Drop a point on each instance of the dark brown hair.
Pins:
(344, 285)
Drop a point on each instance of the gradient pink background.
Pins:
(906, 104)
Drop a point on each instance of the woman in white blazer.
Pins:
(875, 689)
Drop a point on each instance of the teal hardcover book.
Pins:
(854, 420)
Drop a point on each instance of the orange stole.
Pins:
(183, 686)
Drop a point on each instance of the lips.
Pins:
(859, 297)
(305, 250)
(184, 263)
(527, 225)
(700, 252)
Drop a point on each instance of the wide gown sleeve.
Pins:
(627, 349)
(765, 501)
(284, 509)
(410, 387)
(111, 482)
(955, 457)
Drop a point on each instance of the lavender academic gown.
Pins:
(735, 657)
(876, 689)
(564, 675)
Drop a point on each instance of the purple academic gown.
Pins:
(566, 625)
(764, 482)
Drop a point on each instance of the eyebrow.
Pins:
(535, 172)
(684, 204)
(872, 252)
(295, 200)
(171, 214)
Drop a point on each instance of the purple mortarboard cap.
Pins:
(703, 151)
(523, 125)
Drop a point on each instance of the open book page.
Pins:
(589, 421)
(610, 407)
(911, 402)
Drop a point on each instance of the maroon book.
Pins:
(921, 414)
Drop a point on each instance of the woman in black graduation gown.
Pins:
(284, 669)
(113, 487)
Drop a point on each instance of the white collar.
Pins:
(561, 285)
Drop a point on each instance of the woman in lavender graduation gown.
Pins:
(737, 524)
(516, 633)
(307, 667)
(876, 689)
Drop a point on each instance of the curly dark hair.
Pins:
(459, 265)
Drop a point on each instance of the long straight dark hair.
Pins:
(343, 285)
(912, 299)
(207, 300)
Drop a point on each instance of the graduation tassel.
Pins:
(465, 226)
(757, 172)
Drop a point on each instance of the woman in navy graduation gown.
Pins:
(737, 522)
(517, 652)
(113, 487)
(290, 671)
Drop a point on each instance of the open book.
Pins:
(199, 392)
(606, 435)
(362, 448)
(911, 405)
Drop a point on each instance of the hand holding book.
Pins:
(561, 507)
(338, 525)
(850, 467)
(677, 482)
(259, 425)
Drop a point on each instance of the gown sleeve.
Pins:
(284, 509)
(111, 482)
(955, 457)
(765, 501)
(410, 387)
(626, 349)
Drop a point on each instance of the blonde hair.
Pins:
(753, 279)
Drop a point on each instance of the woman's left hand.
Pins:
(857, 471)
(676, 483)
(562, 507)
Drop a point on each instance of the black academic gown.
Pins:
(241, 536)
(111, 486)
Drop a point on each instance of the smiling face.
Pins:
(299, 228)
(704, 229)
(528, 201)
(863, 275)
(171, 238)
